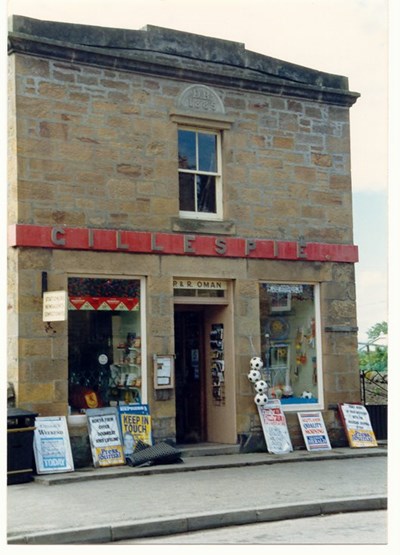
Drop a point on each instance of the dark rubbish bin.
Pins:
(20, 428)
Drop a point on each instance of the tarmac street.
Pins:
(102, 505)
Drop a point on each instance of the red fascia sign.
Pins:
(136, 242)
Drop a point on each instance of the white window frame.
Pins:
(195, 215)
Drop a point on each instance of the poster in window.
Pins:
(314, 431)
(217, 364)
(51, 445)
(105, 436)
(357, 425)
(275, 428)
(135, 425)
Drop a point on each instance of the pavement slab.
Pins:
(201, 492)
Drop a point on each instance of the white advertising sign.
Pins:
(275, 428)
(314, 431)
(51, 445)
(105, 436)
(55, 306)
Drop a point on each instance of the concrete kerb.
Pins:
(204, 521)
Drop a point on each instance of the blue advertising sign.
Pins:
(136, 425)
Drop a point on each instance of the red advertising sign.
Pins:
(61, 237)
(103, 303)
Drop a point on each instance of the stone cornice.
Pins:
(231, 66)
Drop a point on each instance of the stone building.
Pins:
(188, 202)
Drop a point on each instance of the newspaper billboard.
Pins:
(357, 425)
(314, 431)
(105, 436)
(51, 445)
(275, 428)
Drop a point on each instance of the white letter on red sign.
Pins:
(187, 246)
(119, 244)
(220, 246)
(154, 246)
(55, 232)
(250, 246)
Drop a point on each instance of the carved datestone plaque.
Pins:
(199, 98)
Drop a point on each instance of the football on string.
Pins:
(254, 376)
(256, 363)
(261, 386)
(261, 399)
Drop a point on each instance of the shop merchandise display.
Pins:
(289, 341)
(261, 386)
(104, 343)
(256, 363)
(261, 399)
(254, 375)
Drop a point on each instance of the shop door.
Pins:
(189, 376)
(204, 374)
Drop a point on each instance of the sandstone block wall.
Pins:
(98, 148)
(95, 147)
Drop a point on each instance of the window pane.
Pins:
(187, 149)
(206, 196)
(186, 192)
(288, 339)
(207, 152)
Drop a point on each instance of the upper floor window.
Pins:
(200, 187)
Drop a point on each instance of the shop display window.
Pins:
(104, 343)
(290, 344)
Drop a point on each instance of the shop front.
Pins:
(107, 362)
(107, 346)
(208, 320)
(188, 217)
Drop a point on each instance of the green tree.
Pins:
(377, 330)
(373, 357)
